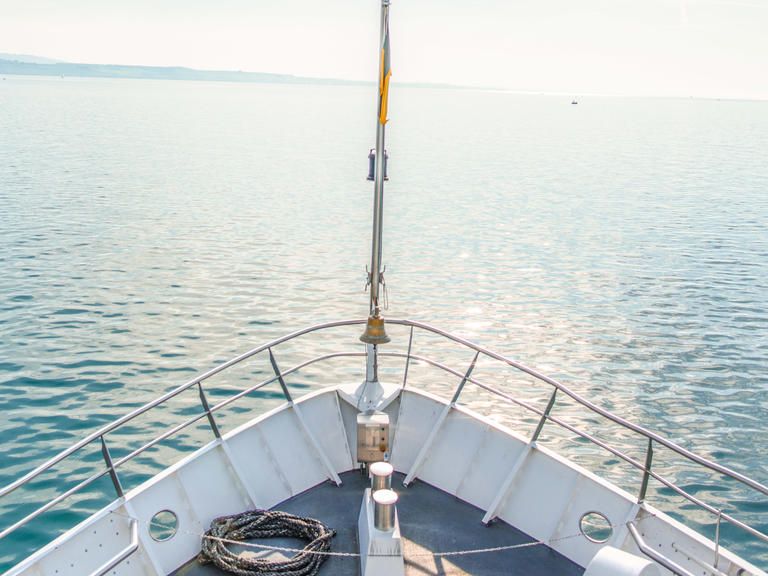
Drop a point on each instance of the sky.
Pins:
(701, 48)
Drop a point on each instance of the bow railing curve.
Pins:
(545, 415)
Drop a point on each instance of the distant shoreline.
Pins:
(131, 72)
(54, 68)
(15, 67)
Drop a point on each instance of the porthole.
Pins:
(595, 527)
(163, 526)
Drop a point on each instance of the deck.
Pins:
(430, 521)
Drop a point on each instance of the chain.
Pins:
(357, 555)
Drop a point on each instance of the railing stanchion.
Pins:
(717, 538)
(208, 413)
(279, 377)
(332, 474)
(408, 358)
(427, 445)
(544, 417)
(646, 472)
(464, 380)
(111, 467)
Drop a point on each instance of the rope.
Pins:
(211, 539)
(266, 524)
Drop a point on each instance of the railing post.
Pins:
(717, 538)
(544, 417)
(111, 468)
(332, 474)
(408, 358)
(208, 413)
(280, 377)
(425, 448)
(646, 472)
(464, 380)
(502, 492)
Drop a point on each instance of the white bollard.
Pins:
(610, 561)
(384, 510)
(381, 476)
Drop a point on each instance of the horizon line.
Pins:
(7, 57)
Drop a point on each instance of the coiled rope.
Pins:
(266, 524)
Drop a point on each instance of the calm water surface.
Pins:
(150, 229)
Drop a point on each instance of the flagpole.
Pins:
(378, 200)
(374, 332)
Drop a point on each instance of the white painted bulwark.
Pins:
(418, 414)
(452, 451)
(287, 451)
(322, 415)
(88, 546)
(295, 457)
(484, 476)
(546, 493)
(589, 494)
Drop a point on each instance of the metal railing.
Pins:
(545, 415)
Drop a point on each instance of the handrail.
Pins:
(518, 365)
(164, 398)
(226, 402)
(655, 556)
(133, 545)
(596, 441)
(545, 416)
(587, 404)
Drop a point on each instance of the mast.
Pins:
(374, 332)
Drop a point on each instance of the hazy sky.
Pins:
(657, 47)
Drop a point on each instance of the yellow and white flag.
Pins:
(384, 73)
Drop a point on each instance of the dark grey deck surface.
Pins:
(430, 520)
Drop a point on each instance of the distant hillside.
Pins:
(27, 58)
(26, 65)
(53, 68)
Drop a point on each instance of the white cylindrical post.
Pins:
(381, 476)
(610, 561)
(384, 510)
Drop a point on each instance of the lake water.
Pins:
(149, 229)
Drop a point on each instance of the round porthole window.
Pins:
(595, 527)
(163, 526)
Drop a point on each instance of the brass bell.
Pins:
(375, 332)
